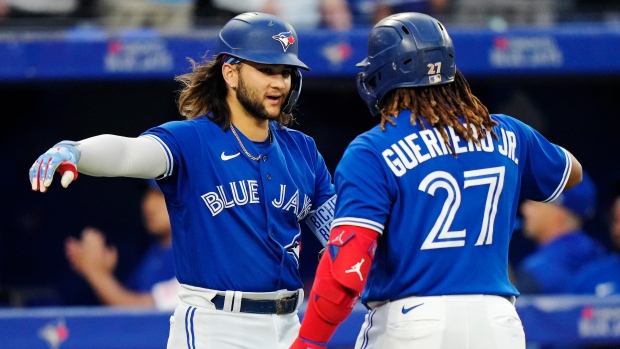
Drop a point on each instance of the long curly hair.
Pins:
(204, 90)
(441, 106)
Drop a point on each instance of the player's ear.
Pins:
(230, 74)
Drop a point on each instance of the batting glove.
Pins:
(63, 158)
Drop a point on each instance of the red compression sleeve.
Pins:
(348, 255)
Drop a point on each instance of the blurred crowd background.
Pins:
(178, 15)
(576, 111)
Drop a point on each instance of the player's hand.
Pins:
(90, 256)
(321, 253)
(63, 158)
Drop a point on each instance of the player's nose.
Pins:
(278, 81)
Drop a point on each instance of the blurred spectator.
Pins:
(597, 10)
(302, 14)
(152, 283)
(563, 246)
(174, 16)
(362, 12)
(435, 8)
(602, 277)
(499, 14)
(39, 13)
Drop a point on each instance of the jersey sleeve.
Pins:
(324, 188)
(320, 217)
(547, 166)
(179, 140)
(360, 179)
(164, 136)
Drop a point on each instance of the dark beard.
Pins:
(256, 109)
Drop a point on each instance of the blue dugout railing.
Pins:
(92, 53)
(546, 319)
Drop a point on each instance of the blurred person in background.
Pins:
(33, 13)
(369, 12)
(166, 15)
(152, 283)
(596, 10)
(499, 14)
(435, 8)
(563, 246)
(602, 277)
(302, 14)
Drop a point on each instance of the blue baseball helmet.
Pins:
(267, 39)
(261, 38)
(405, 50)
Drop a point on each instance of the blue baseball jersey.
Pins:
(553, 266)
(235, 221)
(157, 265)
(600, 277)
(446, 222)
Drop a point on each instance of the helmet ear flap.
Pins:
(367, 93)
(296, 80)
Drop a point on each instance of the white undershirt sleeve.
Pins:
(116, 156)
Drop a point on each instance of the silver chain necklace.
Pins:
(255, 158)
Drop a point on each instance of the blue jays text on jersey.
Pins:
(236, 221)
(449, 218)
(246, 192)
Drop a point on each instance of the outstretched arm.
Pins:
(100, 156)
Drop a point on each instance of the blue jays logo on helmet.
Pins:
(407, 49)
(251, 36)
(286, 39)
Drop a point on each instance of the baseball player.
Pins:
(426, 204)
(237, 184)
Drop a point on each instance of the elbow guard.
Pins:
(351, 250)
(339, 281)
(343, 270)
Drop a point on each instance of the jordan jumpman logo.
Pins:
(356, 269)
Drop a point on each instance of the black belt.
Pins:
(284, 305)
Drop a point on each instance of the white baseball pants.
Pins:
(443, 322)
(197, 324)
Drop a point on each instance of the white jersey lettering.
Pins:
(455, 141)
(293, 203)
(394, 164)
(416, 148)
(428, 136)
(406, 154)
(410, 160)
(217, 201)
(280, 201)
